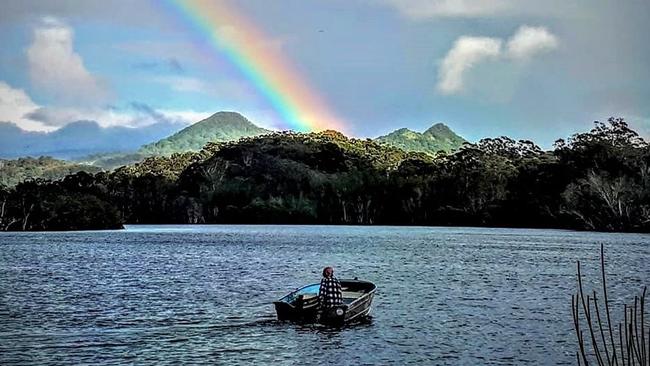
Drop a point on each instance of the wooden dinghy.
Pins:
(301, 305)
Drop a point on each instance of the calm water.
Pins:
(202, 294)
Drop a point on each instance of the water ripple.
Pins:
(203, 294)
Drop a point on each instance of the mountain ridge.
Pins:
(438, 137)
(223, 126)
(77, 139)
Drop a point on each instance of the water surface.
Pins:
(202, 294)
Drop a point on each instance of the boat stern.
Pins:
(335, 315)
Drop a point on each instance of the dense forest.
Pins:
(597, 180)
(15, 171)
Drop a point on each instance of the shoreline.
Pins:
(125, 227)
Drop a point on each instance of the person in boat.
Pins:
(330, 294)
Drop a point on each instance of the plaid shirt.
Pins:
(330, 292)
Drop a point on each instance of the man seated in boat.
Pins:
(330, 294)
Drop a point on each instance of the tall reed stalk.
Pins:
(632, 345)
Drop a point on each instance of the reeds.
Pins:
(629, 348)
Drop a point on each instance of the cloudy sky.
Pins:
(529, 69)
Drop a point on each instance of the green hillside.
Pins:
(437, 138)
(220, 127)
(15, 171)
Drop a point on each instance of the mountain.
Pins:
(91, 147)
(78, 139)
(437, 138)
(220, 127)
(13, 172)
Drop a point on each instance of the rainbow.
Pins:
(230, 35)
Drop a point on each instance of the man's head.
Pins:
(328, 272)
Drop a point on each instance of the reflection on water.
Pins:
(203, 294)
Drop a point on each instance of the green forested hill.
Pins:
(597, 180)
(437, 138)
(220, 127)
(15, 171)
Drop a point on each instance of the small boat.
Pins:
(301, 305)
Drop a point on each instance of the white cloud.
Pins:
(18, 108)
(420, 10)
(529, 41)
(110, 117)
(15, 105)
(465, 54)
(423, 9)
(60, 116)
(58, 70)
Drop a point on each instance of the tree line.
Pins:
(596, 180)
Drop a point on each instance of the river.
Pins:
(203, 294)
